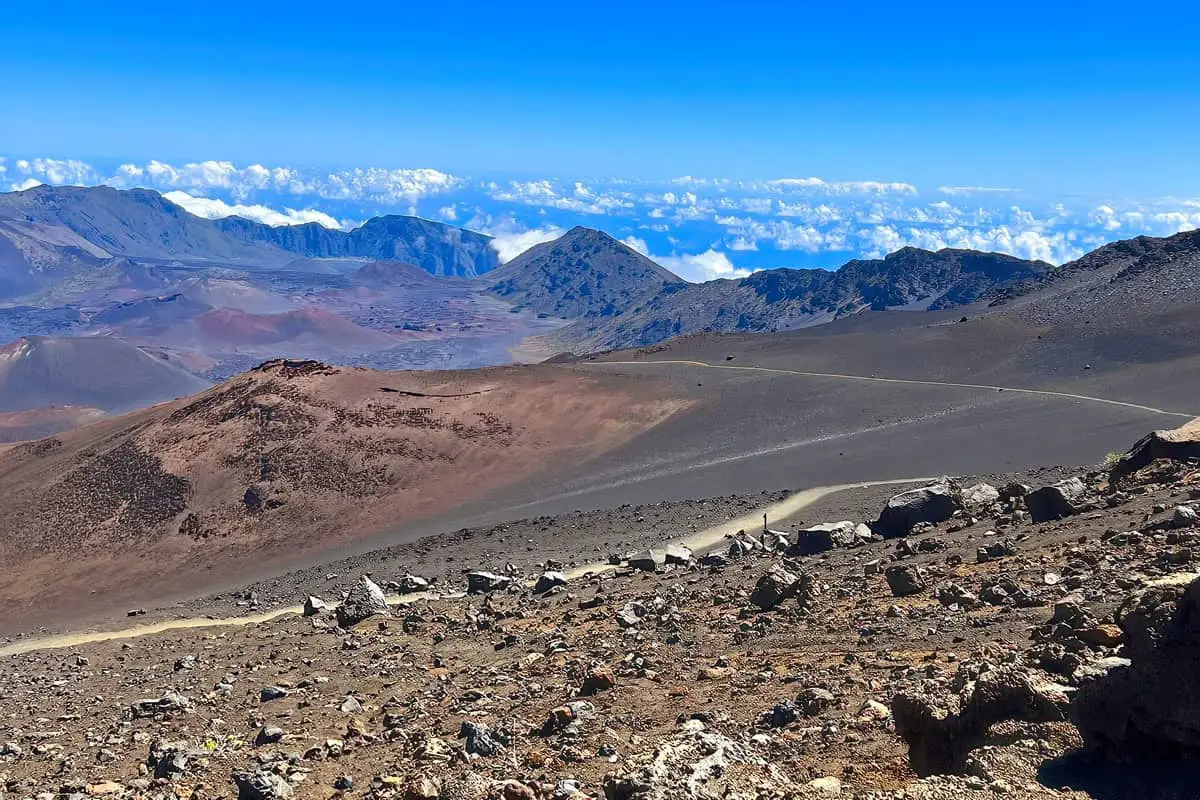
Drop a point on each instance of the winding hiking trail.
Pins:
(909, 381)
(699, 541)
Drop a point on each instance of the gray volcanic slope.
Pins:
(100, 372)
(749, 430)
(584, 273)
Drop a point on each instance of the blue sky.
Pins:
(1074, 106)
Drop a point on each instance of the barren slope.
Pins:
(288, 459)
(98, 371)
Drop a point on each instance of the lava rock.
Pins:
(1056, 501)
(773, 588)
(481, 582)
(549, 580)
(648, 560)
(934, 503)
(364, 601)
(904, 580)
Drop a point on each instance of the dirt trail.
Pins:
(915, 382)
(701, 540)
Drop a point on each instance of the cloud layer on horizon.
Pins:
(699, 227)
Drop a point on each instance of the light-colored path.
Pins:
(697, 541)
(1015, 389)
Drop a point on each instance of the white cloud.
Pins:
(508, 244)
(56, 171)
(386, 186)
(580, 198)
(218, 209)
(702, 266)
(1056, 248)
(634, 243)
(821, 186)
(960, 191)
(28, 183)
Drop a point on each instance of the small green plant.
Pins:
(1110, 461)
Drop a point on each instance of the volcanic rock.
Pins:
(939, 739)
(549, 580)
(1059, 500)
(481, 582)
(773, 588)
(1180, 444)
(1149, 707)
(648, 560)
(365, 600)
(904, 580)
(934, 503)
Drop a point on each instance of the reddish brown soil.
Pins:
(289, 459)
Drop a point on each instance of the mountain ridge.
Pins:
(51, 232)
(786, 299)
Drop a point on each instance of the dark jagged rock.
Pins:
(481, 582)
(1059, 500)
(1150, 707)
(1180, 444)
(939, 739)
(904, 580)
(934, 503)
(774, 587)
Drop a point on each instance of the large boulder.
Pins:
(774, 587)
(648, 560)
(827, 536)
(1151, 706)
(549, 580)
(934, 503)
(481, 582)
(940, 738)
(1180, 444)
(678, 554)
(1056, 501)
(364, 601)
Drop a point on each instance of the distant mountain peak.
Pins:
(583, 273)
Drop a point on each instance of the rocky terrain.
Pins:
(290, 458)
(1032, 637)
(784, 299)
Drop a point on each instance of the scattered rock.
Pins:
(480, 582)
(364, 601)
(904, 580)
